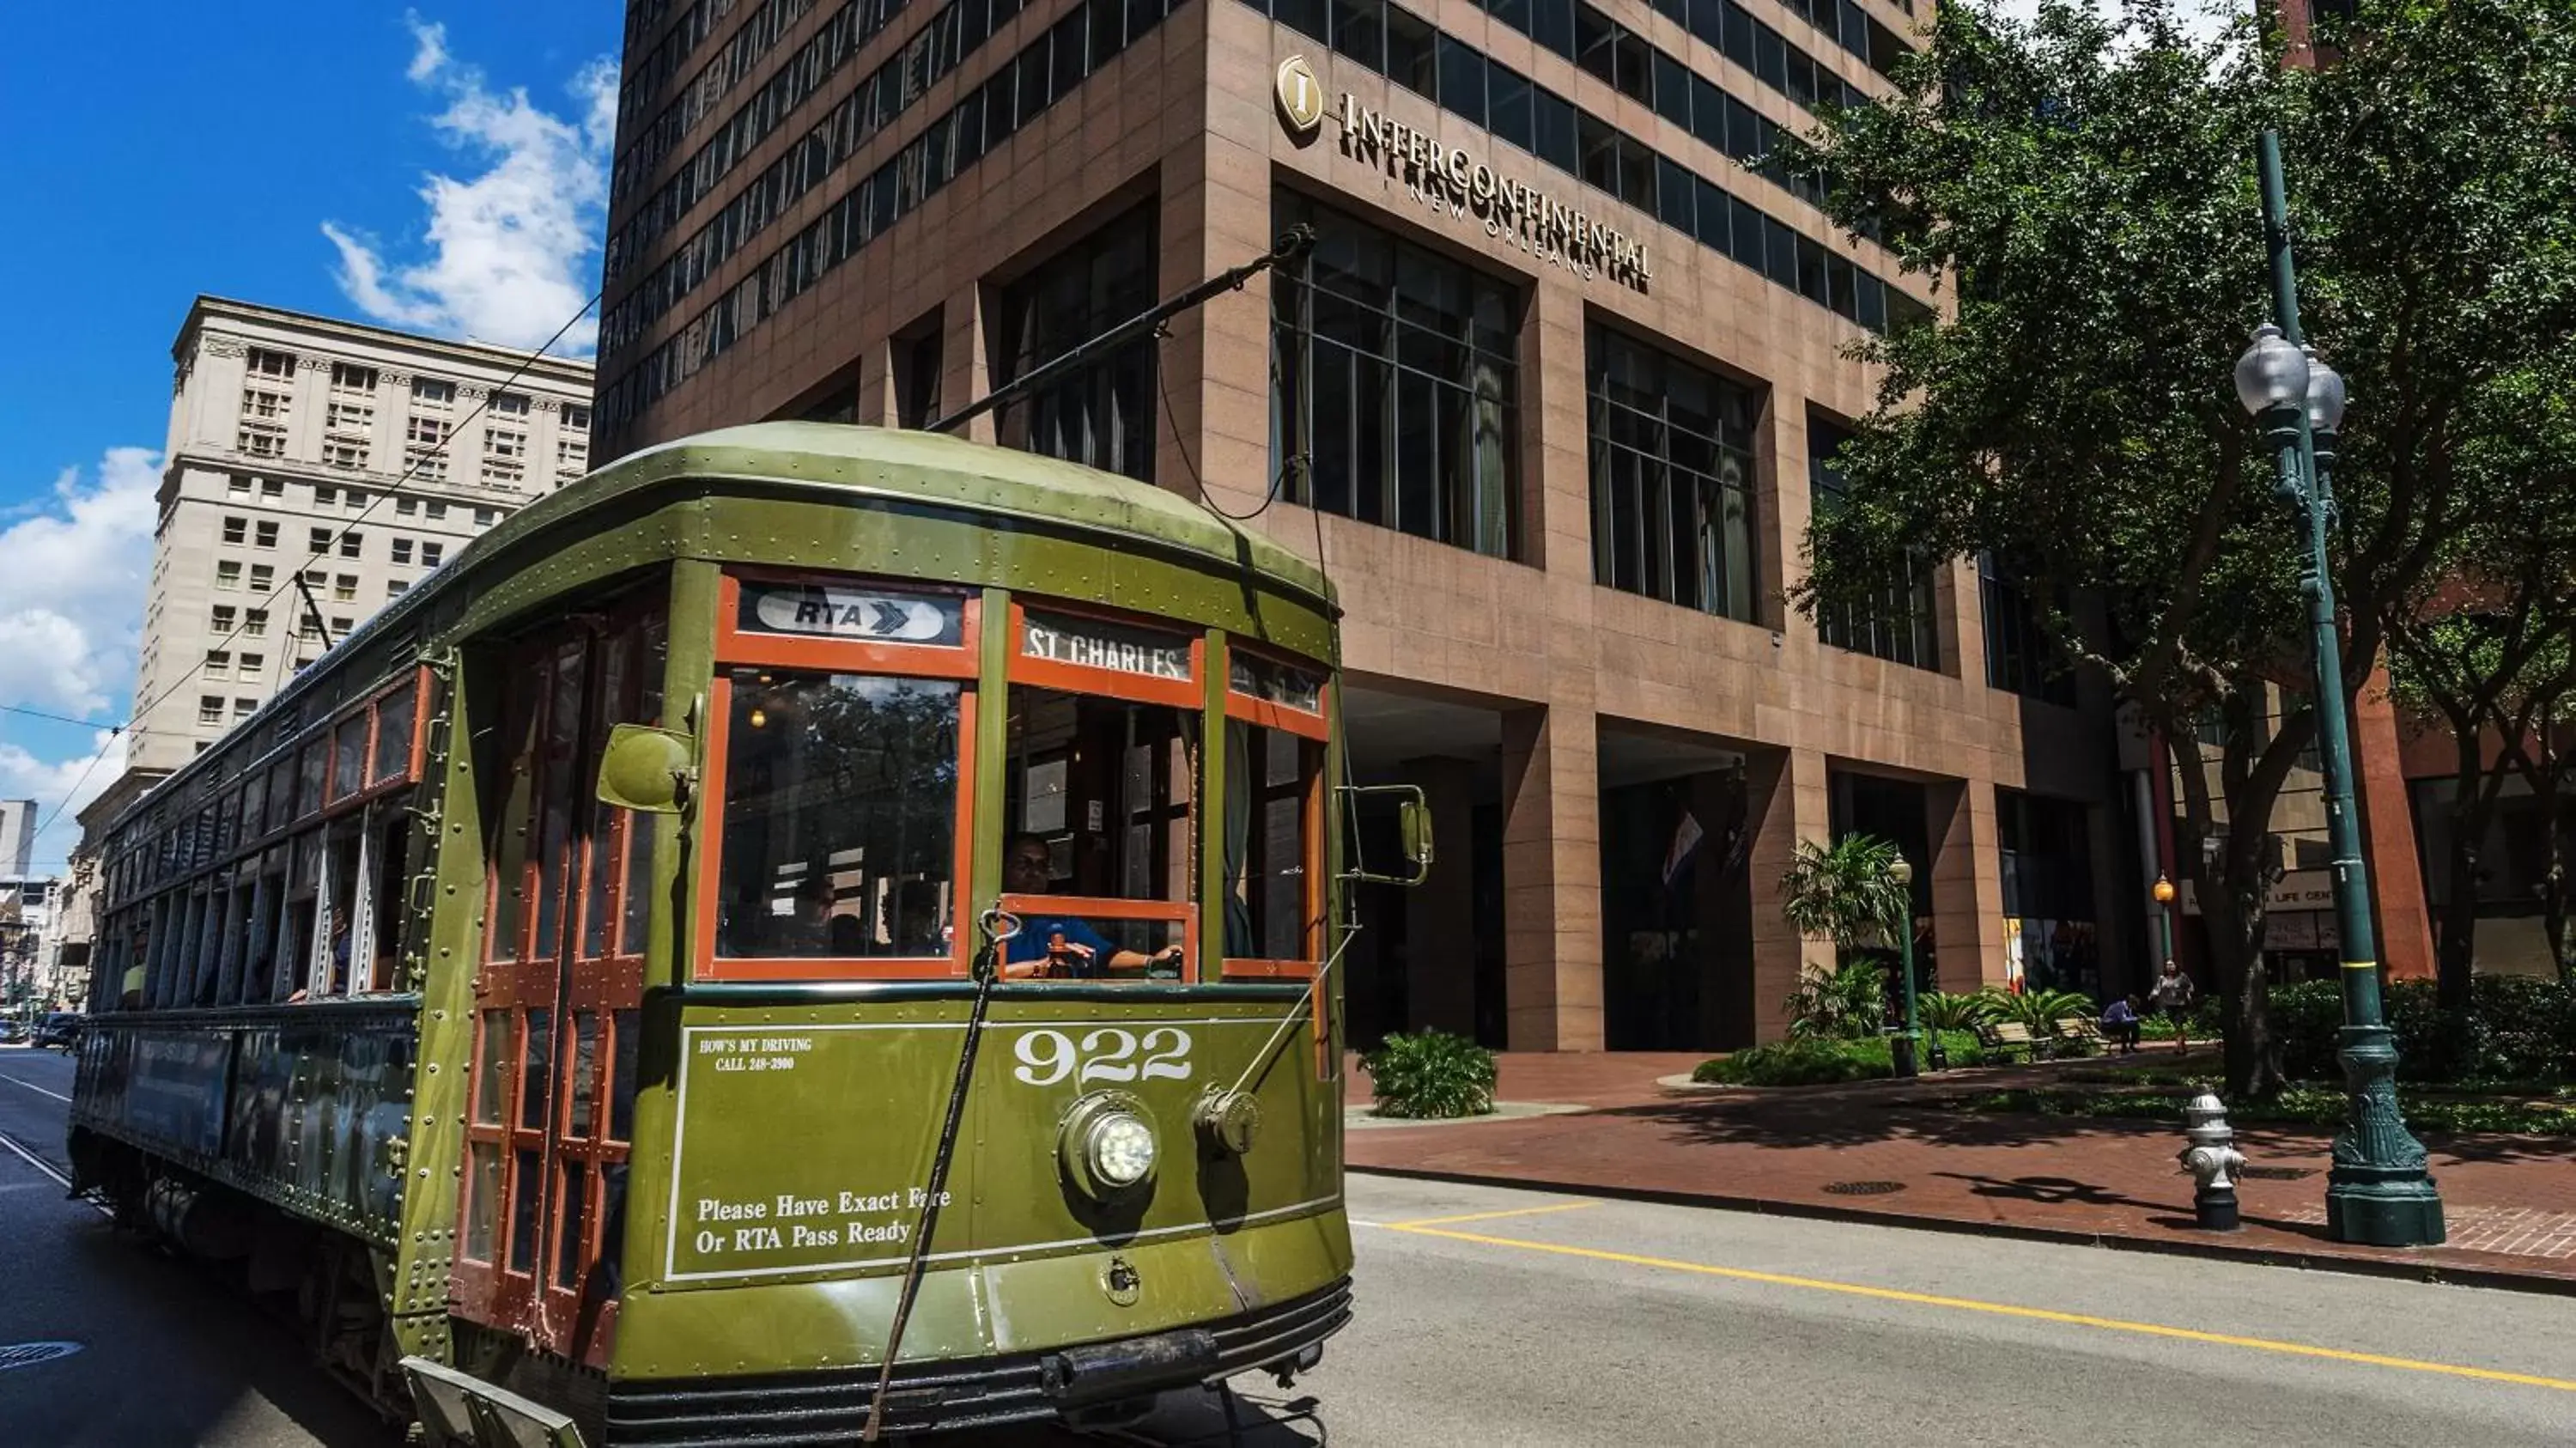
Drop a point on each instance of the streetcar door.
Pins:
(557, 998)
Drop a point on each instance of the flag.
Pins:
(1686, 838)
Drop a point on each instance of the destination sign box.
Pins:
(1094, 644)
(873, 615)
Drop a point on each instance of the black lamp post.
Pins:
(1900, 1053)
(2379, 1191)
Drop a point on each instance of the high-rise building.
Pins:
(17, 836)
(353, 455)
(1554, 398)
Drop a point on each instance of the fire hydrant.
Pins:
(2213, 1160)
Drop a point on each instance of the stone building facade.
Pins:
(1554, 400)
(358, 456)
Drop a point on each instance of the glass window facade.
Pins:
(2046, 862)
(1102, 413)
(2020, 656)
(1897, 624)
(1672, 477)
(1396, 374)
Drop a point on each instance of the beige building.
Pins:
(360, 457)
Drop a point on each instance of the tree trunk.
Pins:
(2456, 947)
(2553, 875)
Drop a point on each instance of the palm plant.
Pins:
(1847, 1003)
(2041, 1010)
(1844, 892)
(1955, 1011)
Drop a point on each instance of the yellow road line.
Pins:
(1420, 1223)
(1997, 1309)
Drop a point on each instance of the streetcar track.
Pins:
(39, 1163)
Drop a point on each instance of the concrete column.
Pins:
(968, 359)
(1782, 507)
(874, 405)
(1967, 883)
(2404, 923)
(1552, 879)
(1440, 914)
(1785, 802)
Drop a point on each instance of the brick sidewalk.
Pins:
(1891, 1151)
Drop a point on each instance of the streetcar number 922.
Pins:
(1105, 1054)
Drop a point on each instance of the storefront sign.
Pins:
(846, 613)
(1097, 645)
(1450, 181)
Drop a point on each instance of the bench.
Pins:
(2081, 1028)
(2005, 1037)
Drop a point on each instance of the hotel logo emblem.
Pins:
(1301, 97)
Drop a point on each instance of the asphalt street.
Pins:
(1502, 1317)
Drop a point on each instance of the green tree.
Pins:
(2088, 199)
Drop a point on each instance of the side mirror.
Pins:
(646, 769)
(1412, 830)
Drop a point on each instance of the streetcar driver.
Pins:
(1052, 944)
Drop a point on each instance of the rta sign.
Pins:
(1301, 97)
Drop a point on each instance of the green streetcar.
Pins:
(800, 889)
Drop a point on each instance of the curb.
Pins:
(2403, 1269)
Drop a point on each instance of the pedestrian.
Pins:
(2174, 992)
(2120, 1018)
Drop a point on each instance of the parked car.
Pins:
(60, 1030)
(12, 1032)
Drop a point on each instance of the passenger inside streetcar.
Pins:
(1061, 945)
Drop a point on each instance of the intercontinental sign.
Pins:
(1449, 180)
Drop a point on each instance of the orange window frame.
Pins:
(738, 647)
(1182, 913)
(1188, 695)
(1316, 726)
(371, 709)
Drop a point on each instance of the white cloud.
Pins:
(72, 574)
(83, 776)
(508, 254)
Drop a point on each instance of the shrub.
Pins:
(1430, 1075)
(2516, 1029)
(2305, 1020)
(1846, 1004)
(1807, 1061)
(1799, 1061)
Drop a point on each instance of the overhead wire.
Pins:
(339, 535)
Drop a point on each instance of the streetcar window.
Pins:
(1097, 805)
(1269, 793)
(840, 816)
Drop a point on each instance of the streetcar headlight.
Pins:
(1121, 1149)
(1108, 1145)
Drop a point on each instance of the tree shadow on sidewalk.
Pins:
(2058, 1191)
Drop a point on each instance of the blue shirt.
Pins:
(1038, 931)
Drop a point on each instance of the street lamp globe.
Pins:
(2164, 891)
(2325, 394)
(1901, 870)
(2272, 373)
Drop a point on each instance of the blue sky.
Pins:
(438, 168)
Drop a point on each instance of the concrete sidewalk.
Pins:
(1904, 1153)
